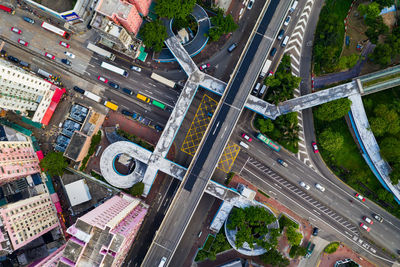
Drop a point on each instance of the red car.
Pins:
(16, 30)
(102, 79)
(20, 41)
(64, 44)
(248, 138)
(360, 197)
(270, 73)
(204, 66)
(49, 55)
(315, 147)
(366, 228)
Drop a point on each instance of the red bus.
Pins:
(55, 30)
(7, 9)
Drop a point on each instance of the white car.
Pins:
(306, 186)
(287, 20)
(320, 187)
(368, 220)
(136, 68)
(250, 5)
(69, 54)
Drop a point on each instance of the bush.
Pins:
(133, 138)
(93, 144)
(229, 178)
(137, 189)
(332, 247)
(213, 246)
(294, 237)
(297, 251)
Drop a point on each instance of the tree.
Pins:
(54, 163)
(382, 54)
(137, 189)
(390, 116)
(384, 3)
(330, 140)
(332, 247)
(395, 174)
(154, 33)
(333, 110)
(221, 25)
(297, 251)
(390, 149)
(384, 195)
(264, 125)
(174, 8)
(294, 237)
(378, 126)
(274, 258)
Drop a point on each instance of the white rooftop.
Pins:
(78, 192)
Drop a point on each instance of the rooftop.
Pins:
(78, 192)
(75, 145)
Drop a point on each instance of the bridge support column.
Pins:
(360, 87)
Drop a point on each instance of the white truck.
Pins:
(265, 69)
(92, 96)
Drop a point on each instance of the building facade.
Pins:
(17, 159)
(103, 236)
(24, 92)
(25, 220)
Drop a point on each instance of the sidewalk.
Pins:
(342, 253)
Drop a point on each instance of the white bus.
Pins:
(114, 69)
(101, 51)
(55, 30)
(92, 96)
(162, 80)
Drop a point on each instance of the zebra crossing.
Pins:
(318, 207)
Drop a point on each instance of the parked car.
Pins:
(127, 91)
(69, 54)
(113, 85)
(79, 90)
(368, 220)
(306, 186)
(314, 147)
(366, 228)
(20, 41)
(102, 79)
(360, 197)
(204, 66)
(49, 55)
(377, 217)
(11, 58)
(135, 68)
(320, 187)
(16, 30)
(159, 128)
(287, 20)
(64, 44)
(273, 52)
(27, 19)
(280, 161)
(270, 73)
(66, 61)
(232, 47)
(280, 34)
(135, 116)
(126, 112)
(250, 5)
(248, 138)
(315, 231)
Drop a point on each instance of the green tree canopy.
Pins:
(250, 223)
(274, 258)
(174, 8)
(333, 110)
(330, 140)
(137, 189)
(294, 237)
(395, 174)
(390, 149)
(384, 3)
(297, 251)
(54, 163)
(264, 125)
(382, 54)
(154, 33)
(221, 25)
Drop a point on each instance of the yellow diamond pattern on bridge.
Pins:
(228, 157)
(199, 125)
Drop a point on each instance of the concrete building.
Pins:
(103, 236)
(17, 159)
(78, 192)
(25, 220)
(27, 93)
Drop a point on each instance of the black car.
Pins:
(114, 85)
(159, 128)
(16, 60)
(232, 47)
(127, 91)
(79, 90)
(273, 52)
(66, 61)
(315, 231)
(126, 112)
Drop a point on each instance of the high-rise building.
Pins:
(103, 236)
(22, 91)
(25, 220)
(17, 159)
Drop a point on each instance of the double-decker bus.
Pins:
(114, 69)
(7, 9)
(162, 80)
(269, 142)
(101, 51)
(55, 30)
(158, 104)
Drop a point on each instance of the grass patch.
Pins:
(229, 177)
(286, 222)
(218, 244)
(93, 144)
(262, 193)
(332, 247)
(133, 138)
(380, 80)
(209, 241)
